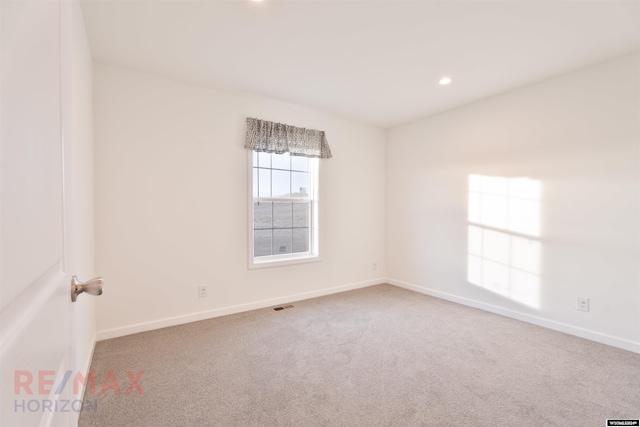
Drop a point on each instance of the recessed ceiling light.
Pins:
(445, 80)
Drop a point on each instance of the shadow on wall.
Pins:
(503, 249)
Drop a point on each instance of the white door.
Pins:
(35, 256)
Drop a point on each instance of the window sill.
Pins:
(256, 264)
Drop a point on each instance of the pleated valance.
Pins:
(278, 138)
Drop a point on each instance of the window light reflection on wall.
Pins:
(503, 254)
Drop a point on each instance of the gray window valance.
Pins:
(278, 138)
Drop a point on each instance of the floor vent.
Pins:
(282, 307)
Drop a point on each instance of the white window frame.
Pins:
(313, 255)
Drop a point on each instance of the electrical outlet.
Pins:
(202, 291)
(583, 304)
(375, 265)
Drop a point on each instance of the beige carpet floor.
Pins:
(379, 356)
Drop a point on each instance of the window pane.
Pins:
(262, 214)
(280, 161)
(300, 184)
(264, 183)
(255, 159)
(282, 215)
(300, 240)
(299, 163)
(282, 241)
(301, 214)
(261, 242)
(281, 185)
(264, 160)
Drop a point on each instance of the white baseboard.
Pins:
(209, 314)
(540, 321)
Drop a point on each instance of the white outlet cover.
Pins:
(583, 304)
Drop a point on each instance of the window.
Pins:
(283, 209)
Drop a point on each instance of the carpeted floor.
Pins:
(379, 356)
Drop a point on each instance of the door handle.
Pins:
(92, 287)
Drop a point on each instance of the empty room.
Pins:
(319, 213)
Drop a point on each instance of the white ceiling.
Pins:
(376, 62)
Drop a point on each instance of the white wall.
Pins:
(171, 203)
(578, 135)
(78, 90)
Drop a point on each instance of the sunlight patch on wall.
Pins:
(504, 215)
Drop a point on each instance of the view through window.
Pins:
(284, 206)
